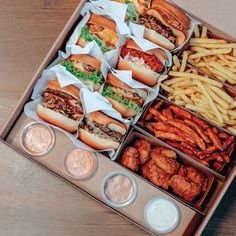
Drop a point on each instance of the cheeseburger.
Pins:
(145, 66)
(101, 30)
(85, 68)
(126, 100)
(61, 106)
(165, 24)
(101, 131)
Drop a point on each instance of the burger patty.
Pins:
(151, 60)
(101, 130)
(153, 23)
(67, 105)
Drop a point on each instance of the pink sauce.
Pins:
(80, 163)
(38, 139)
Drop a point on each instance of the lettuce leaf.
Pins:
(131, 11)
(85, 34)
(108, 92)
(95, 76)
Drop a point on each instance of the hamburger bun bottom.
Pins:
(57, 119)
(123, 110)
(158, 39)
(97, 142)
(142, 74)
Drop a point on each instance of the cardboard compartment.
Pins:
(200, 203)
(229, 87)
(226, 168)
(93, 185)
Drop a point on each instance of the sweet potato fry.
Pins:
(157, 114)
(207, 152)
(214, 139)
(198, 130)
(190, 132)
(179, 112)
(148, 117)
(200, 122)
(168, 135)
(217, 165)
(169, 114)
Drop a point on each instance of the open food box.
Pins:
(135, 106)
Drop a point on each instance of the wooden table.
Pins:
(32, 201)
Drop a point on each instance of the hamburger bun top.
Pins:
(158, 52)
(70, 89)
(113, 80)
(86, 59)
(103, 21)
(179, 15)
(101, 118)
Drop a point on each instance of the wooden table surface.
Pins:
(32, 201)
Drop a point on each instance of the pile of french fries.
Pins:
(201, 94)
(214, 57)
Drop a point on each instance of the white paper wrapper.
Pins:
(91, 49)
(122, 28)
(57, 72)
(126, 77)
(138, 31)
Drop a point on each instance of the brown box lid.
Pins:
(217, 13)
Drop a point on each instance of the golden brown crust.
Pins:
(103, 21)
(113, 80)
(57, 119)
(101, 118)
(70, 89)
(97, 142)
(178, 13)
(86, 59)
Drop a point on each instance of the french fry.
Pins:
(211, 52)
(217, 99)
(167, 88)
(233, 130)
(197, 77)
(195, 108)
(202, 40)
(221, 94)
(176, 61)
(205, 45)
(196, 32)
(210, 101)
(173, 80)
(184, 61)
(204, 32)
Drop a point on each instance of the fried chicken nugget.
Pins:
(144, 149)
(197, 177)
(130, 158)
(185, 189)
(165, 159)
(156, 175)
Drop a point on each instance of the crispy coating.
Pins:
(130, 158)
(156, 175)
(144, 149)
(185, 189)
(165, 159)
(197, 177)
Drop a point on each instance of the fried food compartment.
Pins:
(170, 172)
(190, 135)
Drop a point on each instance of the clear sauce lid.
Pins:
(162, 215)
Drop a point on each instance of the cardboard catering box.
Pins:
(193, 220)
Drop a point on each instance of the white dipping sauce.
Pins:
(162, 215)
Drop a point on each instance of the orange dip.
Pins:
(80, 163)
(37, 139)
